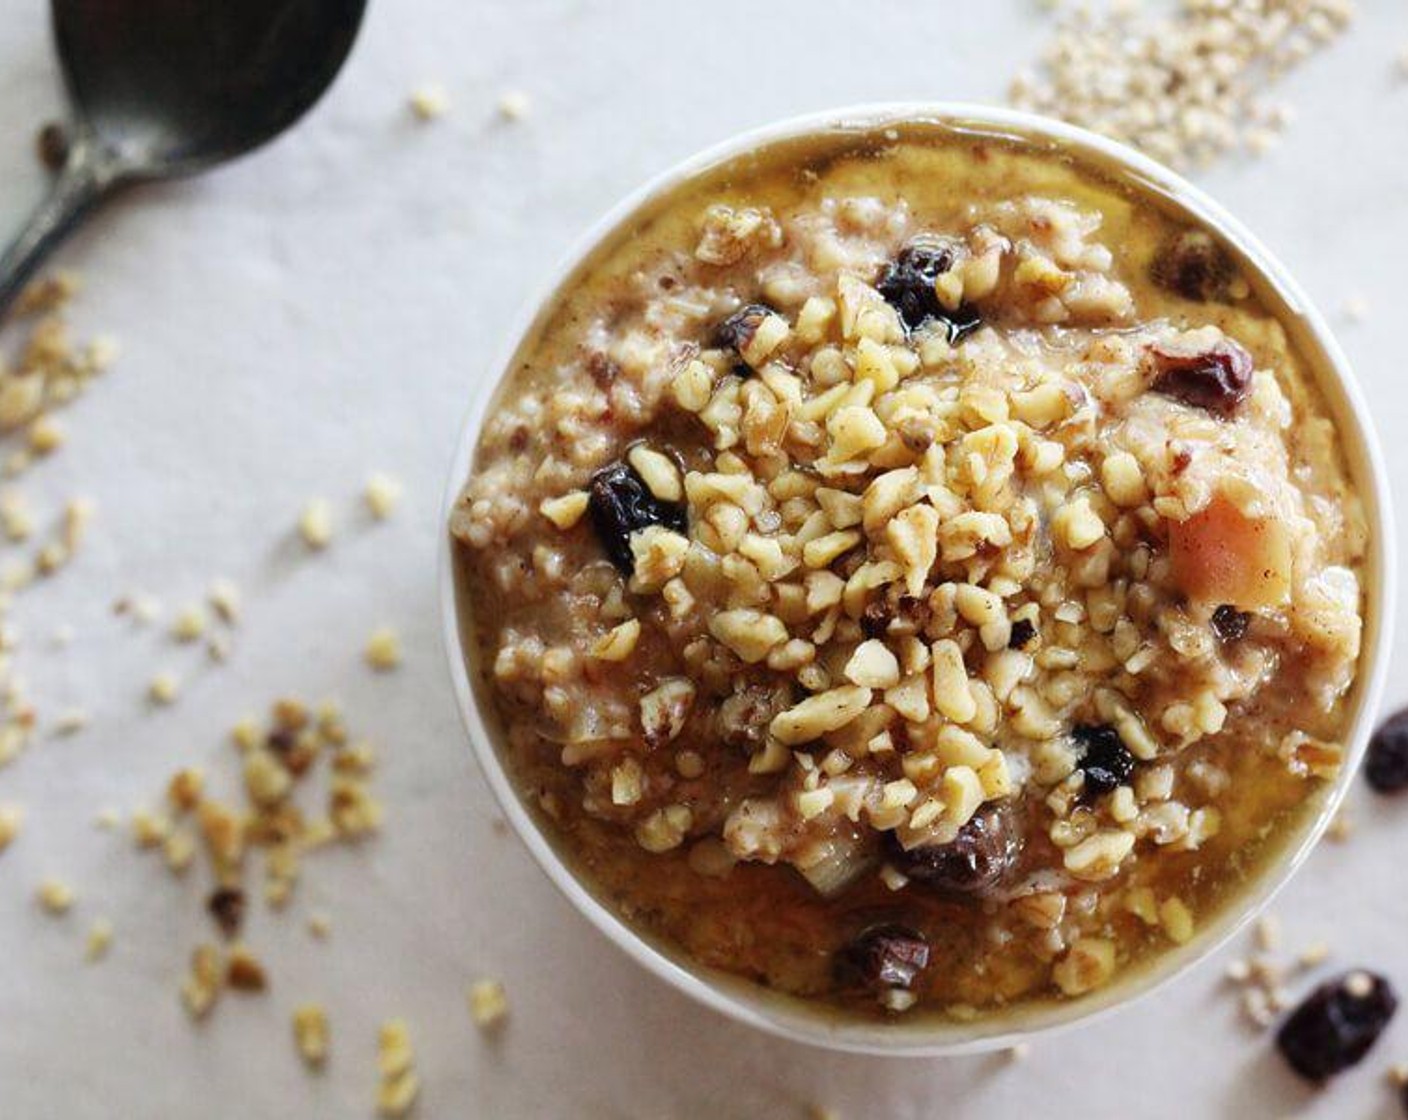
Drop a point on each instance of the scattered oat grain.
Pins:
(315, 524)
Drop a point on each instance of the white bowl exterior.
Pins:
(789, 1018)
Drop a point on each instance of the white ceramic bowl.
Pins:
(792, 1018)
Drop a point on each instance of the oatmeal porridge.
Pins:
(910, 570)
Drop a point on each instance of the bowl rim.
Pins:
(749, 1003)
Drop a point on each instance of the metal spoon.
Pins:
(161, 88)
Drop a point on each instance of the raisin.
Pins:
(974, 862)
(52, 145)
(1230, 624)
(1216, 379)
(875, 619)
(883, 958)
(1023, 631)
(1194, 265)
(1386, 768)
(621, 504)
(226, 906)
(735, 332)
(907, 285)
(1106, 761)
(1335, 1026)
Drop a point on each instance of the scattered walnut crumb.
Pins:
(515, 105)
(71, 722)
(320, 925)
(224, 598)
(107, 818)
(164, 688)
(46, 435)
(382, 493)
(1341, 827)
(315, 524)
(311, 1033)
(189, 624)
(1314, 955)
(11, 821)
(1398, 1075)
(383, 650)
(55, 896)
(1019, 1052)
(488, 1004)
(429, 102)
(1268, 933)
(150, 830)
(1239, 971)
(99, 939)
(1355, 309)
(15, 515)
(396, 1064)
(201, 987)
(822, 1112)
(185, 788)
(243, 972)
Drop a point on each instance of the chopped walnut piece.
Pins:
(11, 820)
(99, 939)
(315, 524)
(243, 972)
(488, 1004)
(164, 688)
(311, 1033)
(55, 896)
(382, 493)
(383, 651)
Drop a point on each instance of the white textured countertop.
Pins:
(324, 309)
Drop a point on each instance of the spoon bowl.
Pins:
(162, 88)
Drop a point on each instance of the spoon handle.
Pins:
(82, 182)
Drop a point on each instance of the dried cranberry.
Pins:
(907, 284)
(1216, 379)
(1023, 631)
(974, 862)
(1387, 765)
(621, 504)
(736, 332)
(1335, 1026)
(883, 958)
(1194, 265)
(1106, 761)
(226, 906)
(1230, 624)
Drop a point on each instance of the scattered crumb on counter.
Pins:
(311, 1033)
(315, 524)
(399, 1085)
(382, 494)
(189, 624)
(164, 688)
(488, 1004)
(1355, 309)
(429, 102)
(55, 896)
(99, 939)
(383, 650)
(515, 105)
(224, 598)
(11, 821)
